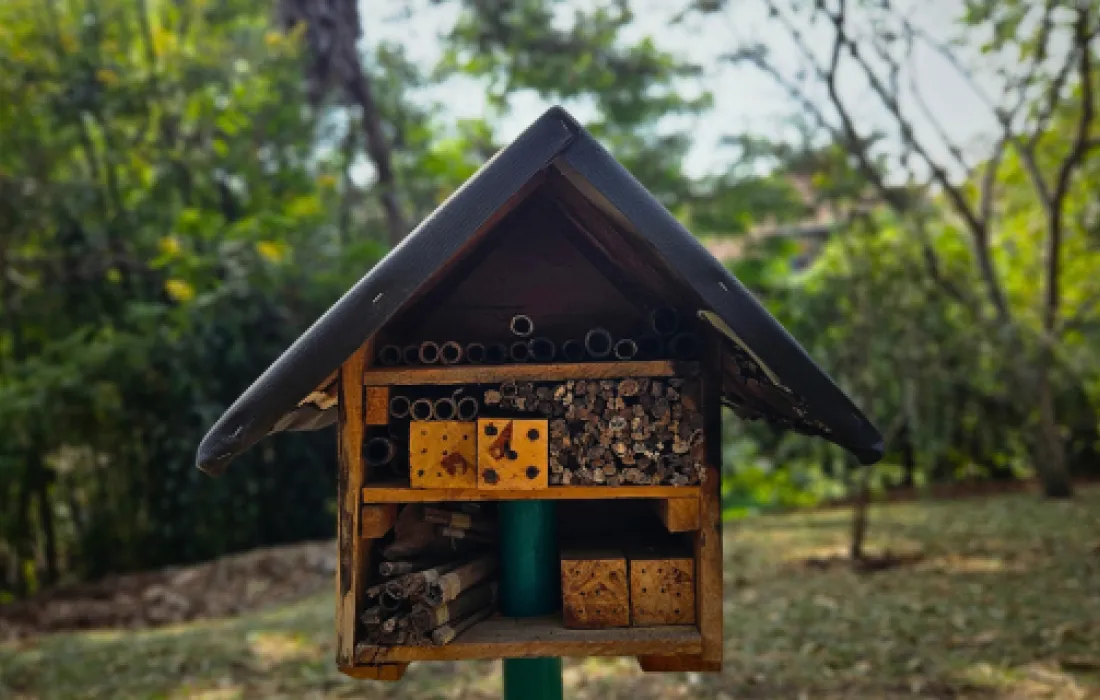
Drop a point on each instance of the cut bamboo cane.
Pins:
(449, 632)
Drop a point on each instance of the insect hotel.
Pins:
(527, 393)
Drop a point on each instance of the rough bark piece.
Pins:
(377, 405)
(595, 590)
(442, 454)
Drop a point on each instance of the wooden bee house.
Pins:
(551, 332)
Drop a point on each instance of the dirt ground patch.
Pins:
(228, 586)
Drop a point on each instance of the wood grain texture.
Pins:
(442, 454)
(662, 591)
(396, 493)
(376, 520)
(513, 638)
(350, 478)
(513, 455)
(379, 672)
(595, 590)
(679, 515)
(531, 372)
(678, 664)
(377, 405)
(708, 539)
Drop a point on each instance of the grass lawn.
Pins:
(1003, 603)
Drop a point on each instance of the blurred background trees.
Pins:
(186, 185)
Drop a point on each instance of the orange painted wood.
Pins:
(678, 664)
(512, 638)
(662, 590)
(442, 454)
(379, 672)
(595, 589)
(350, 566)
(495, 374)
(376, 520)
(395, 493)
(680, 514)
(513, 455)
(378, 405)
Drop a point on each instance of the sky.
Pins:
(745, 100)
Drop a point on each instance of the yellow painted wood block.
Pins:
(512, 454)
(594, 589)
(662, 589)
(442, 454)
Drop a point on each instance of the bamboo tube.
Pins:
(664, 321)
(451, 353)
(476, 353)
(445, 409)
(389, 355)
(448, 586)
(625, 349)
(429, 352)
(424, 618)
(449, 632)
(422, 409)
(541, 349)
(522, 325)
(410, 355)
(572, 350)
(379, 451)
(399, 407)
(467, 409)
(598, 343)
(519, 351)
(460, 521)
(496, 354)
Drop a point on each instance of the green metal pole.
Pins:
(529, 587)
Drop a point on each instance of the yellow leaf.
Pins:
(179, 290)
(273, 39)
(107, 76)
(272, 251)
(170, 245)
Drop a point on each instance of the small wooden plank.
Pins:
(376, 672)
(678, 664)
(378, 405)
(396, 493)
(442, 454)
(708, 539)
(513, 455)
(495, 374)
(594, 588)
(662, 590)
(513, 638)
(376, 520)
(350, 567)
(679, 514)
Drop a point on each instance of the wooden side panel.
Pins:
(513, 454)
(708, 540)
(350, 566)
(379, 672)
(595, 594)
(378, 405)
(678, 664)
(662, 591)
(443, 454)
(679, 514)
(376, 520)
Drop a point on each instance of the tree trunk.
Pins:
(45, 517)
(860, 507)
(1050, 450)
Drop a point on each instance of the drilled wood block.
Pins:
(662, 589)
(442, 454)
(378, 405)
(512, 454)
(595, 592)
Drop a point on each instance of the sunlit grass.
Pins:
(1004, 601)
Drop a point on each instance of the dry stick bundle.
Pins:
(447, 633)
(450, 585)
(426, 618)
(455, 533)
(459, 521)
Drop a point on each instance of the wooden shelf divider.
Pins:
(512, 638)
(395, 493)
(527, 372)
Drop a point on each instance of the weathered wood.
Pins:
(662, 590)
(460, 579)
(460, 521)
(352, 551)
(495, 374)
(376, 520)
(678, 664)
(442, 454)
(376, 672)
(377, 405)
(395, 493)
(595, 592)
(425, 618)
(445, 634)
(512, 454)
(679, 515)
(511, 638)
(708, 539)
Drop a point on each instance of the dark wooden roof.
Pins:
(767, 374)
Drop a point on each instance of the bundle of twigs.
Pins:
(627, 431)
(436, 580)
